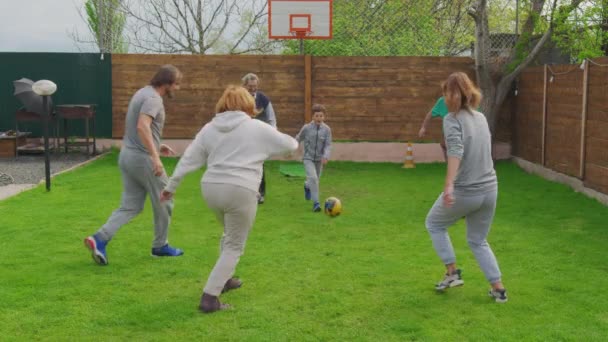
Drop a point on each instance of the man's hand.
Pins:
(324, 161)
(421, 132)
(448, 196)
(165, 196)
(166, 151)
(157, 165)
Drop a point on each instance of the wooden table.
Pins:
(10, 143)
(84, 112)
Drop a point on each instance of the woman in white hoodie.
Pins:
(233, 146)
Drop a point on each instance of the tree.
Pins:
(584, 33)
(495, 78)
(395, 28)
(106, 24)
(198, 26)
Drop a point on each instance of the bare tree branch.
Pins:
(195, 26)
(261, 13)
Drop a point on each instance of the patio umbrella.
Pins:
(30, 100)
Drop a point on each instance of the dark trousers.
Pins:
(263, 183)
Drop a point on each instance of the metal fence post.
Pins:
(581, 172)
(307, 88)
(544, 127)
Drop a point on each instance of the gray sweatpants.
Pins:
(313, 174)
(138, 180)
(479, 213)
(235, 207)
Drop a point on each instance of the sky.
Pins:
(41, 26)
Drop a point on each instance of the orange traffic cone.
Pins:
(409, 157)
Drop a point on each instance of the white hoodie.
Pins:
(233, 146)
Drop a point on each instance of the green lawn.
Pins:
(366, 275)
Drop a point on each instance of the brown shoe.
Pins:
(211, 304)
(232, 284)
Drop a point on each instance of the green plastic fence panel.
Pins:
(81, 78)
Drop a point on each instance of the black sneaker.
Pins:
(450, 280)
(499, 295)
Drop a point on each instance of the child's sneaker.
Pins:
(306, 193)
(499, 295)
(166, 250)
(316, 207)
(450, 280)
(97, 248)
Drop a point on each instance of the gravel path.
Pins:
(30, 169)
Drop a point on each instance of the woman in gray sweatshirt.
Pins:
(231, 181)
(470, 188)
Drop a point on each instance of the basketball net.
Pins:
(300, 33)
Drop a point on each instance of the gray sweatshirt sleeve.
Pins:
(300, 135)
(452, 130)
(327, 147)
(272, 119)
(278, 143)
(193, 159)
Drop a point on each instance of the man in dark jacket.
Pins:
(264, 112)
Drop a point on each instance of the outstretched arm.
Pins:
(193, 159)
(425, 124)
(327, 148)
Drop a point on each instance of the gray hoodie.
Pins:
(233, 146)
(317, 141)
(468, 138)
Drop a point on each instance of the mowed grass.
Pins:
(367, 275)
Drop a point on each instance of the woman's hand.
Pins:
(448, 196)
(166, 196)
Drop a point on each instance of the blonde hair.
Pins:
(460, 92)
(236, 98)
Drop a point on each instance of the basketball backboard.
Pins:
(295, 19)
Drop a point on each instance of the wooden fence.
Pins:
(368, 98)
(561, 120)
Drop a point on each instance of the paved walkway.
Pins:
(359, 152)
(13, 189)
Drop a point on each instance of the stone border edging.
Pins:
(574, 183)
(71, 168)
(16, 189)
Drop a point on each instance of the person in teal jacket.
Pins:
(440, 109)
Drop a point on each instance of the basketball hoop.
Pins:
(300, 33)
(300, 19)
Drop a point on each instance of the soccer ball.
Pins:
(333, 206)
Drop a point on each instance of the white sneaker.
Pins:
(499, 295)
(450, 280)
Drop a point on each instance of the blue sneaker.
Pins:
(316, 207)
(97, 248)
(306, 193)
(166, 250)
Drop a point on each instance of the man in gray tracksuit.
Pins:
(141, 168)
(316, 137)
